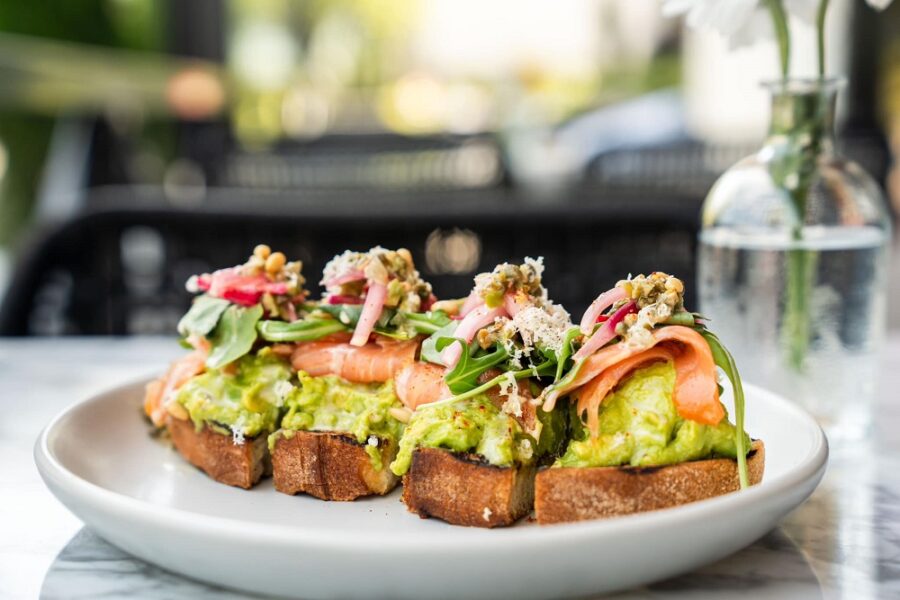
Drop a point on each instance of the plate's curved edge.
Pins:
(55, 474)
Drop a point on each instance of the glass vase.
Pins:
(793, 263)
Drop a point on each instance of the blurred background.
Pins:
(142, 141)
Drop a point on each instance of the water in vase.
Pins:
(744, 293)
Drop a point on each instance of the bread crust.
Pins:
(576, 494)
(240, 465)
(462, 489)
(330, 466)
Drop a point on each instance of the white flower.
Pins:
(879, 4)
(743, 22)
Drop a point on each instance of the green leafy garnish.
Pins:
(234, 335)
(725, 361)
(566, 351)
(203, 316)
(306, 330)
(473, 361)
(399, 325)
(429, 351)
(543, 369)
(682, 317)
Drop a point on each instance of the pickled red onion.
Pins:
(510, 304)
(471, 303)
(371, 311)
(606, 332)
(352, 275)
(240, 289)
(601, 303)
(481, 316)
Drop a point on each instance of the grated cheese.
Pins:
(237, 432)
(282, 389)
(509, 387)
(542, 325)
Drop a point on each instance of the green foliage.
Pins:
(203, 316)
(234, 336)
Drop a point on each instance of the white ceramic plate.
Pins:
(136, 492)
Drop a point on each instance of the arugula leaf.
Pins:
(203, 316)
(428, 322)
(399, 325)
(234, 336)
(306, 330)
(429, 352)
(545, 368)
(723, 359)
(472, 363)
(682, 317)
(348, 314)
(566, 351)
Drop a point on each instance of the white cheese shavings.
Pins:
(509, 387)
(372, 441)
(542, 326)
(282, 389)
(486, 513)
(237, 431)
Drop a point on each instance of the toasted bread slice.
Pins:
(216, 454)
(330, 466)
(576, 494)
(462, 489)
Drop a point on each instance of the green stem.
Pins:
(801, 267)
(820, 32)
(782, 34)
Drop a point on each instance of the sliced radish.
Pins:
(481, 316)
(606, 332)
(371, 311)
(603, 301)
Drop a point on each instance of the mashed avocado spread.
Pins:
(242, 400)
(476, 425)
(330, 403)
(639, 426)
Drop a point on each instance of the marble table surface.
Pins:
(844, 542)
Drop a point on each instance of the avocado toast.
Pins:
(473, 443)
(343, 419)
(648, 430)
(221, 401)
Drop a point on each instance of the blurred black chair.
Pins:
(119, 268)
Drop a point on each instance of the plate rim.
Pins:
(288, 534)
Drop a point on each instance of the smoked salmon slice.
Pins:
(158, 391)
(375, 362)
(420, 383)
(696, 394)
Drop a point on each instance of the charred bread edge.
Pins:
(330, 465)
(566, 494)
(216, 454)
(464, 489)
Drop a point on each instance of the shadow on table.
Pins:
(89, 567)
